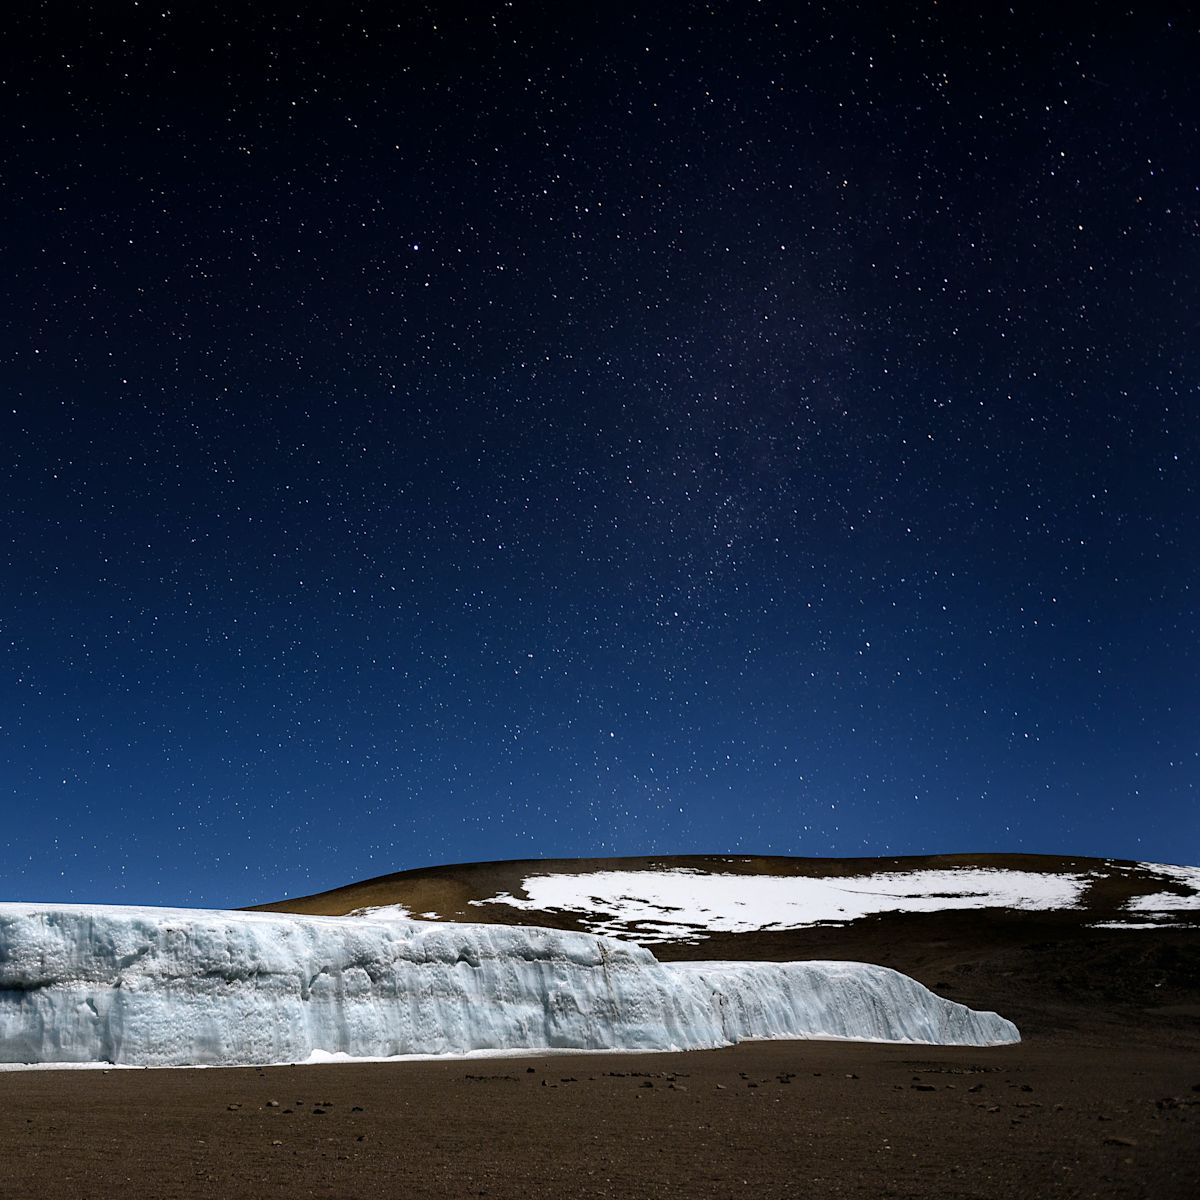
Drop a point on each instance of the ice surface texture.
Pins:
(162, 987)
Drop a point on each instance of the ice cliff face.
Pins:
(181, 986)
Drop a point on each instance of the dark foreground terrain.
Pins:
(1049, 1118)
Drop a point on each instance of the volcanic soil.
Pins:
(815, 1119)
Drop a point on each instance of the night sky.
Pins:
(437, 433)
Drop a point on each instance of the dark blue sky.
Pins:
(446, 434)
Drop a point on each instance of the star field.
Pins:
(436, 433)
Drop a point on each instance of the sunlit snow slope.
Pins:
(177, 986)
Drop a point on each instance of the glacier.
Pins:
(176, 987)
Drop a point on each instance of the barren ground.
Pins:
(764, 1120)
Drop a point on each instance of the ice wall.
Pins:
(183, 986)
(835, 999)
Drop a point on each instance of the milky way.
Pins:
(435, 434)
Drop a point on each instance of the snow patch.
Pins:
(1152, 924)
(1189, 877)
(397, 912)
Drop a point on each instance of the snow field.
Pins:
(665, 905)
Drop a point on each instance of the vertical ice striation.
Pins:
(838, 1000)
(181, 986)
